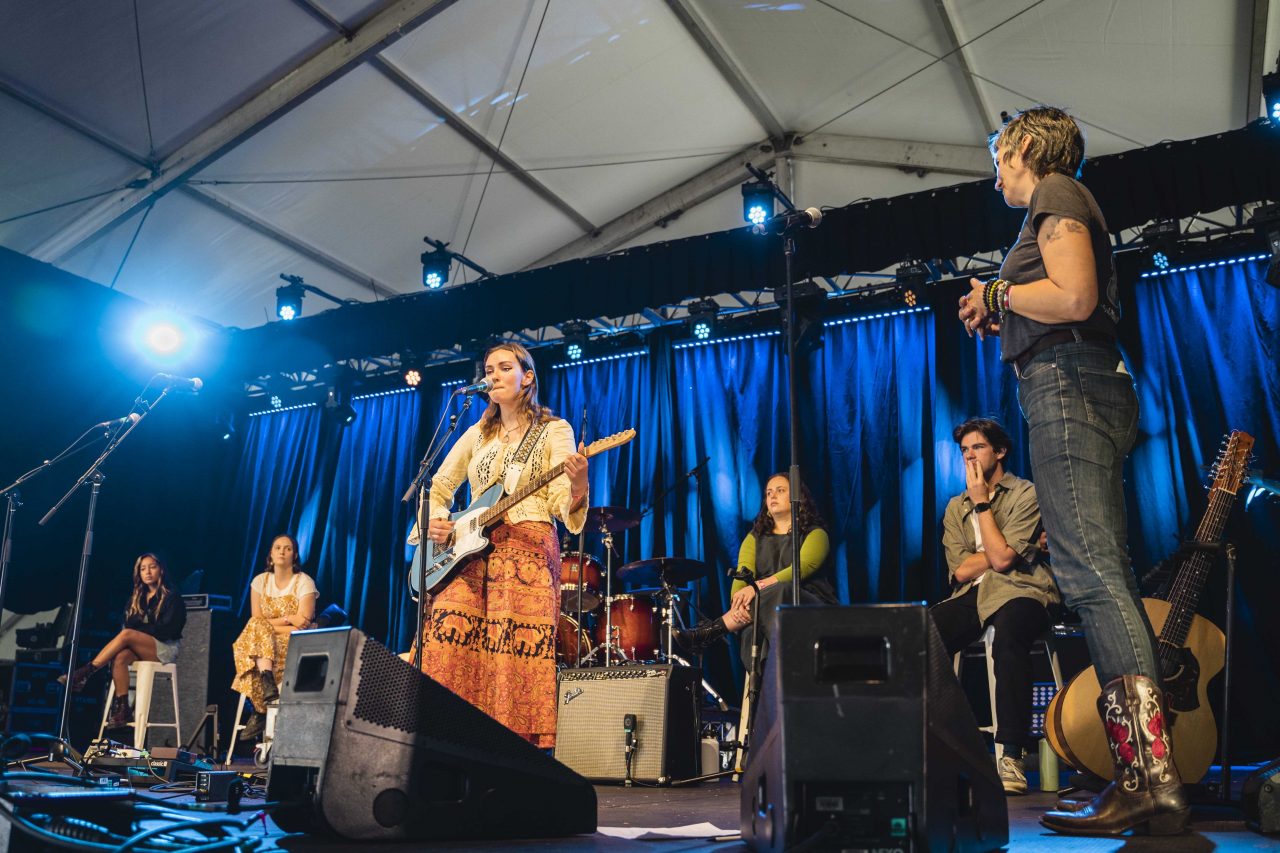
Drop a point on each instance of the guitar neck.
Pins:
(503, 506)
(1184, 597)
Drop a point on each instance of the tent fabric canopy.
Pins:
(191, 153)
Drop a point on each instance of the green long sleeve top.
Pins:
(813, 554)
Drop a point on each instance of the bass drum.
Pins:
(575, 568)
(636, 628)
(573, 642)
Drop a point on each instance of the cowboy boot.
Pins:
(697, 639)
(121, 714)
(79, 676)
(1147, 792)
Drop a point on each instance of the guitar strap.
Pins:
(515, 467)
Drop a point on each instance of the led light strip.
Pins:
(1206, 265)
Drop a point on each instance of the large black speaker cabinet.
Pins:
(1260, 798)
(367, 747)
(863, 740)
(664, 703)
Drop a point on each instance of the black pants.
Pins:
(1018, 623)
(769, 599)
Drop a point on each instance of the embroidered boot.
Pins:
(121, 714)
(1147, 792)
(697, 639)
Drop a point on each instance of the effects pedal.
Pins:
(218, 786)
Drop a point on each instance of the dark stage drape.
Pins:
(878, 402)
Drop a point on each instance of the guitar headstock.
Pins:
(1231, 466)
(609, 442)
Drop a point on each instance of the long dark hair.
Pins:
(809, 517)
(138, 601)
(527, 405)
(297, 558)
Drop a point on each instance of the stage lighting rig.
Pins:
(702, 318)
(1161, 238)
(757, 202)
(576, 333)
(1271, 94)
(1266, 221)
(289, 297)
(437, 265)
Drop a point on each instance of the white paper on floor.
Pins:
(652, 833)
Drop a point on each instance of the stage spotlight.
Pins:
(289, 301)
(412, 377)
(1266, 221)
(1271, 92)
(909, 297)
(410, 367)
(164, 338)
(435, 269)
(576, 333)
(276, 402)
(337, 407)
(757, 202)
(702, 318)
(1161, 239)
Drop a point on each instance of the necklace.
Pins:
(506, 435)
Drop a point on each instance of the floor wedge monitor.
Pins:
(368, 748)
(864, 740)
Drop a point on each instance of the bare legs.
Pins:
(125, 648)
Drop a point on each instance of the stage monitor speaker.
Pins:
(864, 740)
(369, 748)
(591, 735)
(1260, 798)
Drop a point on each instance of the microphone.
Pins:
(629, 726)
(484, 386)
(185, 384)
(131, 418)
(790, 221)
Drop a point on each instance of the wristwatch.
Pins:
(982, 507)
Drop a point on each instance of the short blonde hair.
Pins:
(1057, 143)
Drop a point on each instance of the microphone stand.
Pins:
(94, 476)
(421, 485)
(793, 417)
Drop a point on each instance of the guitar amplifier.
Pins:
(593, 704)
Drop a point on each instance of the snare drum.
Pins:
(573, 643)
(636, 627)
(575, 565)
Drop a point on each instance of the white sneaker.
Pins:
(1013, 775)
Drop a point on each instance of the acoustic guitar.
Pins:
(433, 564)
(1191, 651)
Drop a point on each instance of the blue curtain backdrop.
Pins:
(878, 402)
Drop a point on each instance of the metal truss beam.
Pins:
(1257, 59)
(968, 160)
(987, 117)
(700, 31)
(633, 223)
(393, 21)
(254, 222)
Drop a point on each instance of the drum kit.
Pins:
(600, 628)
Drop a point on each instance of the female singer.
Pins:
(1055, 307)
(283, 600)
(766, 551)
(490, 636)
(153, 624)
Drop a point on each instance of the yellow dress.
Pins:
(260, 640)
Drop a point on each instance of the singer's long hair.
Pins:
(527, 404)
(138, 601)
(809, 518)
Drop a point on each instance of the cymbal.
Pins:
(611, 518)
(674, 570)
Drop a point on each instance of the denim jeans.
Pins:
(1082, 419)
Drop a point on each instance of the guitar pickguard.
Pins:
(1180, 684)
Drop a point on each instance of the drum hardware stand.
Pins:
(608, 644)
(582, 569)
(421, 486)
(716, 697)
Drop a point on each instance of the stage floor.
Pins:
(716, 804)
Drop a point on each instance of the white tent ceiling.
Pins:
(326, 138)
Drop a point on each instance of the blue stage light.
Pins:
(573, 351)
(1160, 260)
(757, 202)
(435, 269)
(289, 300)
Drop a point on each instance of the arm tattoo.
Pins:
(1056, 227)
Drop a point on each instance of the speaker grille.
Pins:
(392, 694)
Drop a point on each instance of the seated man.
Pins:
(991, 535)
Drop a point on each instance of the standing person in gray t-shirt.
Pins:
(1055, 308)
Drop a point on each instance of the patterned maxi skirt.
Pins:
(260, 640)
(490, 637)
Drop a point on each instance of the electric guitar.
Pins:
(1191, 651)
(433, 564)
